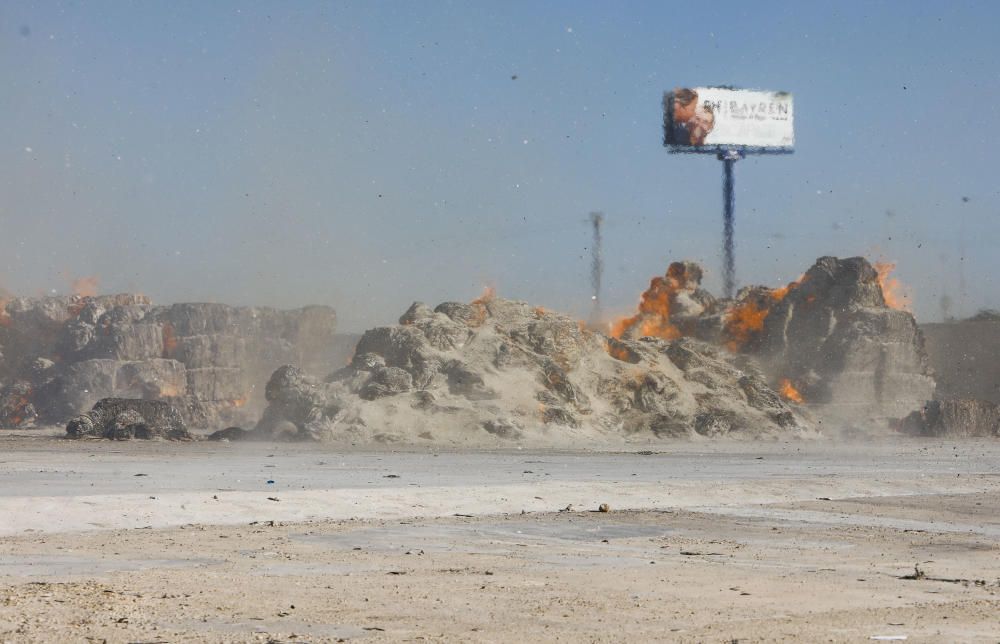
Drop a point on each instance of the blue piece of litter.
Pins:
(270, 482)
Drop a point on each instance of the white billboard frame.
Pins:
(708, 109)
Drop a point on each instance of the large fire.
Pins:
(745, 321)
(892, 290)
(653, 316)
(789, 392)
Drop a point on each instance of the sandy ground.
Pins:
(709, 542)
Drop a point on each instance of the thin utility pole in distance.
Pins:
(596, 269)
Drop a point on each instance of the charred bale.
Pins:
(852, 356)
(299, 406)
(124, 418)
(230, 434)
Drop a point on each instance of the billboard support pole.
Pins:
(740, 122)
(729, 159)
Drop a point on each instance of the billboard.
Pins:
(713, 118)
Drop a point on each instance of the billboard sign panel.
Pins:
(707, 119)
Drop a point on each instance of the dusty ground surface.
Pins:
(795, 541)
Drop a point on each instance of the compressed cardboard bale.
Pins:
(209, 414)
(189, 319)
(315, 337)
(150, 379)
(139, 341)
(79, 386)
(121, 345)
(216, 383)
(216, 350)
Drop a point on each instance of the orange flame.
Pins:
(892, 290)
(85, 286)
(789, 392)
(779, 294)
(746, 320)
(743, 323)
(479, 304)
(653, 317)
(489, 294)
(618, 351)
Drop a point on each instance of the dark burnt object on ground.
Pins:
(125, 419)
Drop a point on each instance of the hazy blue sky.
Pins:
(364, 154)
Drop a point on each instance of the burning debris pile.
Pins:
(835, 338)
(60, 355)
(829, 339)
(827, 346)
(500, 369)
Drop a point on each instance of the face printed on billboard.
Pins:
(692, 120)
(720, 117)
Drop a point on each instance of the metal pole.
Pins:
(596, 269)
(729, 205)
